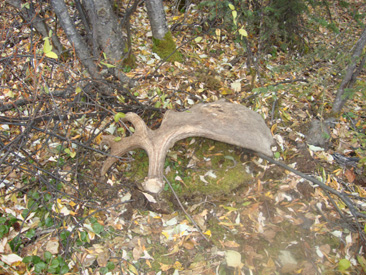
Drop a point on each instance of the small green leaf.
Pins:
(54, 263)
(118, 116)
(116, 139)
(47, 256)
(64, 269)
(49, 222)
(30, 233)
(344, 264)
(231, 6)
(111, 266)
(28, 259)
(77, 90)
(131, 129)
(72, 154)
(107, 65)
(235, 14)
(26, 5)
(97, 227)
(277, 155)
(25, 213)
(40, 267)
(229, 208)
(198, 39)
(362, 261)
(103, 270)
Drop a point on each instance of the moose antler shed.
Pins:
(222, 121)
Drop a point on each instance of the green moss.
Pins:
(130, 60)
(159, 252)
(212, 158)
(165, 47)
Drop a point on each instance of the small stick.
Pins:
(185, 212)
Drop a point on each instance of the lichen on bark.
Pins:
(165, 47)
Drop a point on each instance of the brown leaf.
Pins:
(231, 244)
(52, 246)
(103, 258)
(350, 175)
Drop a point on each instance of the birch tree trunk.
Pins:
(75, 38)
(163, 42)
(353, 70)
(158, 23)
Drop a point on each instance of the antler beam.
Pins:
(221, 121)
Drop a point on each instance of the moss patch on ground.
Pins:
(196, 166)
(165, 47)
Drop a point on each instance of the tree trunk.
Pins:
(107, 34)
(351, 74)
(163, 42)
(156, 13)
(75, 38)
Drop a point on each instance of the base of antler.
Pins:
(153, 185)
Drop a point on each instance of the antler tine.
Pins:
(119, 148)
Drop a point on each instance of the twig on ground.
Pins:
(185, 212)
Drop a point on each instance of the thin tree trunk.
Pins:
(351, 74)
(75, 38)
(156, 13)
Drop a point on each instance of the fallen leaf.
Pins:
(52, 246)
(11, 259)
(233, 258)
(350, 175)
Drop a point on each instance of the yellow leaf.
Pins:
(208, 233)
(51, 54)
(165, 267)
(235, 14)
(229, 208)
(218, 34)
(132, 269)
(165, 234)
(77, 90)
(47, 46)
(243, 32)
(178, 265)
(198, 39)
(107, 65)
(231, 6)
(98, 138)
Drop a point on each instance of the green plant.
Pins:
(6, 222)
(50, 264)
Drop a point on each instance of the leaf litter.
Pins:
(276, 222)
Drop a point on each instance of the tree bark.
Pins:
(156, 13)
(75, 38)
(108, 35)
(351, 74)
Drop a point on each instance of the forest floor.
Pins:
(253, 216)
